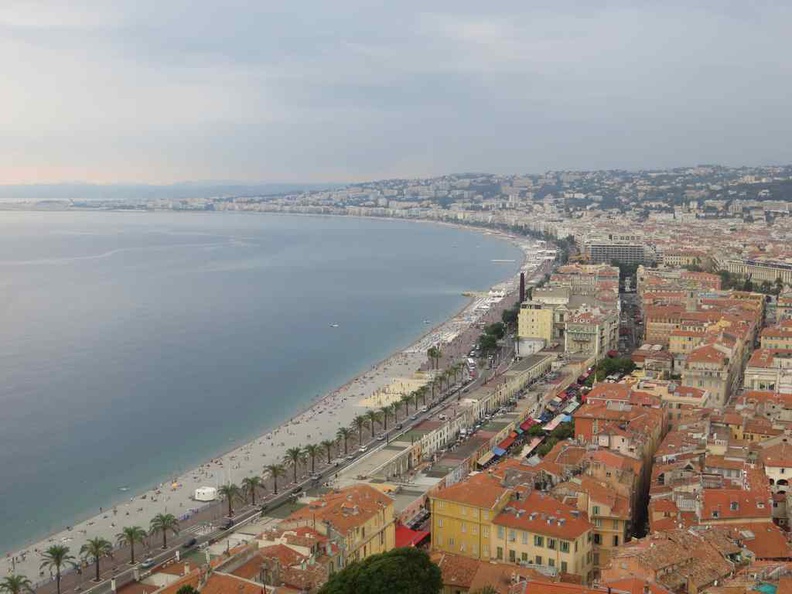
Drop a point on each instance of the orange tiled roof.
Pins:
(544, 515)
(480, 490)
(345, 509)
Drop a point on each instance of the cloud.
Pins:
(165, 91)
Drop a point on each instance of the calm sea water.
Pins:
(133, 346)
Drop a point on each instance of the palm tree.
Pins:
(422, 393)
(344, 433)
(275, 471)
(327, 446)
(359, 422)
(397, 404)
(406, 400)
(312, 450)
(129, 536)
(56, 557)
(294, 456)
(415, 397)
(434, 355)
(249, 486)
(96, 548)
(16, 584)
(164, 523)
(372, 416)
(384, 412)
(230, 493)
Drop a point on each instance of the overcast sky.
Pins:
(161, 91)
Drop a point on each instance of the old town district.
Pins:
(638, 443)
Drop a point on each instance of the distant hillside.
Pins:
(79, 191)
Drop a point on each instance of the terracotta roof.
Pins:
(720, 504)
(764, 539)
(768, 358)
(480, 490)
(541, 514)
(345, 509)
(219, 583)
(706, 354)
(778, 455)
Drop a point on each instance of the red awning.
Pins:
(506, 443)
(527, 424)
(409, 538)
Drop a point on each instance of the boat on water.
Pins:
(427, 322)
(334, 325)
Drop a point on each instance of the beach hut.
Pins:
(205, 494)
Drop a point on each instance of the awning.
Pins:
(409, 538)
(485, 459)
(498, 451)
(519, 431)
(506, 443)
(527, 424)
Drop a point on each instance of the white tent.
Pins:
(205, 494)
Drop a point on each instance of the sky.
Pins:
(163, 91)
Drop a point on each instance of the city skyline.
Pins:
(115, 93)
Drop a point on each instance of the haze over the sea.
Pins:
(136, 345)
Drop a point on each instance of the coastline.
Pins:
(337, 407)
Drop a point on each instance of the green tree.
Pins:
(164, 523)
(488, 343)
(187, 590)
(344, 433)
(57, 557)
(312, 450)
(129, 536)
(404, 570)
(327, 446)
(295, 457)
(498, 330)
(15, 584)
(251, 484)
(779, 286)
(275, 471)
(96, 548)
(434, 354)
(230, 493)
(385, 411)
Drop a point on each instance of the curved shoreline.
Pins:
(336, 399)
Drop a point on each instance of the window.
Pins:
(524, 557)
(512, 556)
(512, 536)
(615, 524)
(499, 554)
(564, 546)
(475, 529)
(538, 559)
(551, 544)
(463, 511)
(485, 532)
(462, 547)
(598, 522)
(464, 528)
(538, 541)
(551, 562)
(501, 532)
(595, 510)
(524, 537)
(563, 566)
(615, 540)
(439, 539)
(439, 522)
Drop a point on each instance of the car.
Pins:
(413, 417)
(381, 437)
(147, 563)
(316, 476)
(400, 426)
(351, 457)
(362, 449)
(296, 490)
(190, 543)
(227, 524)
(424, 408)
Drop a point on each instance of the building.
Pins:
(359, 520)
(540, 531)
(769, 369)
(462, 515)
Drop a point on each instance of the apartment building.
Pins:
(769, 369)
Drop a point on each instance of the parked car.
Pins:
(147, 563)
(190, 543)
(227, 524)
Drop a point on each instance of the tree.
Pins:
(187, 590)
(373, 417)
(344, 433)
(358, 423)
(164, 523)
(15, 584)
(385, 411)
(57, 557)
(327, 446)
(250, 485)
(230, 493)
(404, 570)
(96, 548)
(422, 392)
(488, 343)
(294, 456)
(397, 404)
(129, 536)
(406, 400)
(498, 330)
(779, 285)
(275, 470)
(434, 354)
(312, 450)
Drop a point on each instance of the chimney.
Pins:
(186, 568)
(522, 287)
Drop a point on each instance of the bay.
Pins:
(137, 345)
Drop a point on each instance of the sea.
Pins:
(134, 346)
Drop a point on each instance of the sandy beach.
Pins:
(317, 422)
